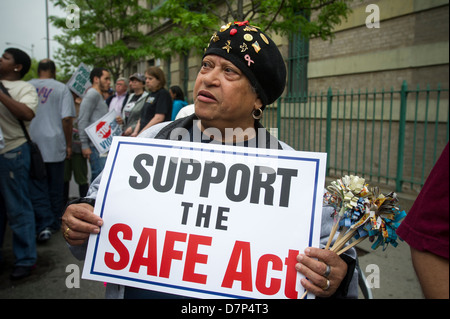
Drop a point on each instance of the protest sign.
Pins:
(79, 82)
(205, 221)
(101, 132)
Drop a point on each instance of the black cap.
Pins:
(138, 76)
(255, 54)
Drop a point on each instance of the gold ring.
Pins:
(327, 287)
(66, 233)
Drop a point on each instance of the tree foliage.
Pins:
(114, 20)
(32, 73)
(180, 26)
(312, 18)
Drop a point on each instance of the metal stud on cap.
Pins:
(264, 38)
(227, 46)
(256, 46)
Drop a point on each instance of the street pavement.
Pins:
(390, 271)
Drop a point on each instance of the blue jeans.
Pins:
(47, 197)
(15, 204)
(97, 163)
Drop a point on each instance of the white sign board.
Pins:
(205, 221)
(101, 132)
(80, 82)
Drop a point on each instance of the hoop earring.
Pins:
(257, 114)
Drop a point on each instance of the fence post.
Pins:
(401, 136)
(328, 136)
(279, 118)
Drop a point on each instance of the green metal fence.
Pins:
(391, 137)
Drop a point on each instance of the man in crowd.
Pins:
(18, 101)
(118, 100)
(51, 129)
(92, 108)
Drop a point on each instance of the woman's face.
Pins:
(136, 85)
(151, 82)
(223, 95)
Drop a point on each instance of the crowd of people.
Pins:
(56, 119)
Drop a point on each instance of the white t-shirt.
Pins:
(46, 130)
(22, 92)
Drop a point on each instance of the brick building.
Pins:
(410, 45)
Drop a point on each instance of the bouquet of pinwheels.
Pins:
(361, 212)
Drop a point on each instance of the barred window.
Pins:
(298, 68)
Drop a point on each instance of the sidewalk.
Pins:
(48, 281)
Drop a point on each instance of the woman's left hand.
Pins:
(313, 265)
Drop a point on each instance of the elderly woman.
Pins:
(242, 72)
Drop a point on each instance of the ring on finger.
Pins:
(327, 271)
(327, 287)
(66, 233)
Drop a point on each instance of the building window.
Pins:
(168, 71)
(185, 81)
(298, 68)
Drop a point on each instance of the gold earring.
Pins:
(257, 114)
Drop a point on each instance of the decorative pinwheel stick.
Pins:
(353, 244)
(333, 232)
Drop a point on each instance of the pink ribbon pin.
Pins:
(248, 59)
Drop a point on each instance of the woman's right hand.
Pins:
(78, 222)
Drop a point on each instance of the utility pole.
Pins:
(48, 36)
